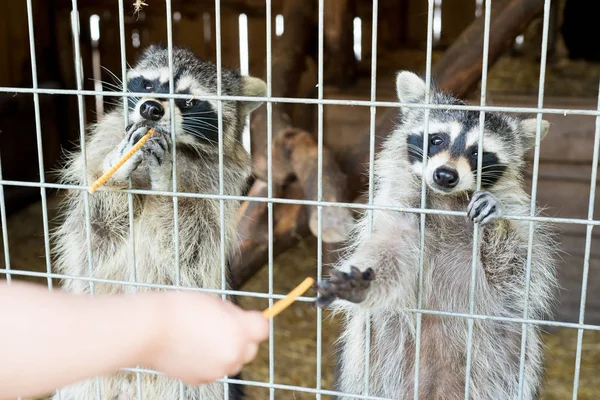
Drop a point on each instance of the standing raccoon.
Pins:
(197, 166)
(379, 274)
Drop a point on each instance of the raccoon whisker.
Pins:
(491, 173)
(112, 74)
(109, 85)
(201, 122)
(415, 149)
(201, 117)
(198, 116)
(199, 127)
(199, 113)
(198, 135)
(492, 166)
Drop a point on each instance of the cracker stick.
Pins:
(102, 180)
(289, 299)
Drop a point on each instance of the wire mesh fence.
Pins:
(320, 102)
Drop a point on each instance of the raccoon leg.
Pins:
(134, 133)
(158, 156)
(484, 208)
(351, 286)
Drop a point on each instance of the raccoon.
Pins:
(197, 167)
(378, 274)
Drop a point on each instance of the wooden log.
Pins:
(302, 150)
(461, 65)
(290, 226)
(289, 56)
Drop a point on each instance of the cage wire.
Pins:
(369, 207)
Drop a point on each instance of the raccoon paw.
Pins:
(157, 150)
(345, 286)
(484, 208)
(158, 157)
(133, 133)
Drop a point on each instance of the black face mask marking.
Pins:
(141, 85)
(491, 168)
(199, 119)
(437, 142)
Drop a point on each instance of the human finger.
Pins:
(250, 353)
(256, 326)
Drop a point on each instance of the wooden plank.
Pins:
(570, 277)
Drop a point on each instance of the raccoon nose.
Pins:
(445, 177)
(152, 110)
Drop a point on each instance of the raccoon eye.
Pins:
(148, 85)
(436, 140)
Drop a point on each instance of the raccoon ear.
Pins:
(409, 87)
(252, 87)
(528, 129)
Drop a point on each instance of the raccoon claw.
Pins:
(484, 208)
(350, 286)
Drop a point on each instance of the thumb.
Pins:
(256, 325)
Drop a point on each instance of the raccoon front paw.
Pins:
(157, 150)
(484, 207)
(351, 286)
(133, 133)
(158, 156)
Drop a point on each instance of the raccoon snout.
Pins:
(152, 110)
(445, 177)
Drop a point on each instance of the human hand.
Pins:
(201, 338)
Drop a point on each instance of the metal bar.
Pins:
(4, 228)
(319, 188)
(38, 134)
(276, 386)
(417, 210)
(130, 212)
(169, 20)
(305, 299)
(80, 106)
(299, 100)
(418, 316)
(588, 247)
(375, 12)
(220, 139)
(475, 251)
(270, 222)
(532, 210)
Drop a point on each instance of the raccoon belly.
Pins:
(392, 360)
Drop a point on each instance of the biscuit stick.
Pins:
(289, 299)
(102, 180)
